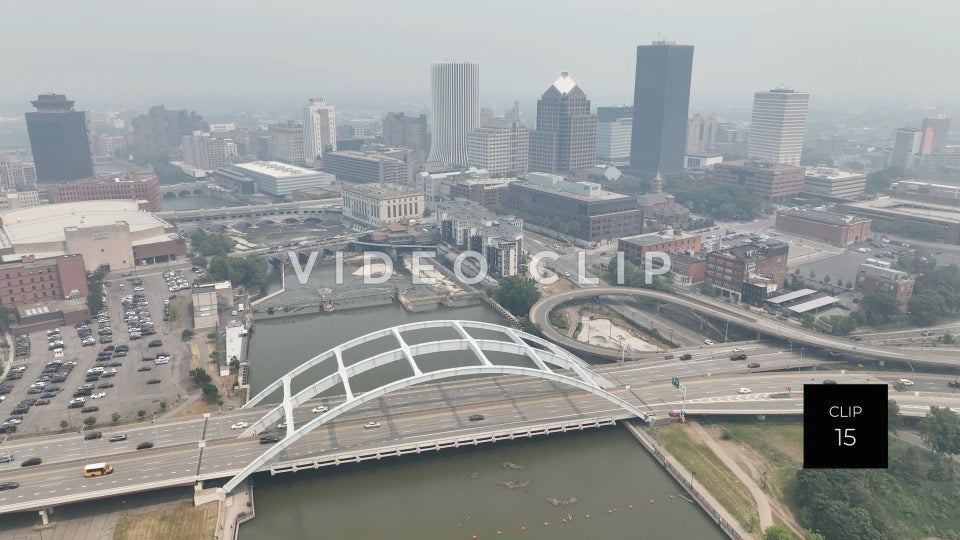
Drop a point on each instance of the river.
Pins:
(433, 495)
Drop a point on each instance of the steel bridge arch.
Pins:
(578, 377)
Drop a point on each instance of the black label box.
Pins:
(845, 426)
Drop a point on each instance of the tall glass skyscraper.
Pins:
(661, 99)
(565, 139)
(59, 139)
(455, 100)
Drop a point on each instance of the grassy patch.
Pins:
(779, 444)
(680, 441)
(182, 522)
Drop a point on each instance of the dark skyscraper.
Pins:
(661, 99)
(612, 114)
(565, 139)
(59, 139)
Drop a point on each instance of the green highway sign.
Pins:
(676, 382)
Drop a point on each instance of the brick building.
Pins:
(773, 181)
(29, 281)
(876, 276)
(827, 227)
(597, 213)
(635, 248)
(688, 269)
(131, 187)
(486, 192)
(730, 268)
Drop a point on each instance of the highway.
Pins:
(751, 320)
(420, 414)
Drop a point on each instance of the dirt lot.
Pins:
(185, 522)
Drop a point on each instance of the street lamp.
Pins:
(156, 436)
(6, 450)
(84, 440)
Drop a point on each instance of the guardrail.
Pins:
(438, 444)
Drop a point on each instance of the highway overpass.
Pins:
(761, 324)
(423, 417)
(254, 214)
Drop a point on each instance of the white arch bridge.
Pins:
(545, 361)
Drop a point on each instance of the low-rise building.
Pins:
(12, 199)
(827, 227)
(467, 226)
(834, 182)
(364, 167)
(129, 187)
(487, 192)
(701, 161)
(942, 194)
(728, 269)
(275, 178)
(583, 209)
(687, 269)
(378, 205)
(896, 214)
(773, 181)
(635, 248)
(878, 277)
(27, 280)
(208, 300)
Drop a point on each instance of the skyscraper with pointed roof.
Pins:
(565, 139)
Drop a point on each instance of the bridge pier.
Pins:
(45, 515)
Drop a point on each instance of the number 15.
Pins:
(845, 437)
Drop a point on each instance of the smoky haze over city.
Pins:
(448, 270)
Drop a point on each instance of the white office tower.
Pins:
(778, 126)
(319, 130)
(455, 100)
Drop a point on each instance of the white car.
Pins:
(319, 409)
(370, 425)
(99, 395)
(282, 425)
(905, 382)
(15, 421)
(738, 349)
(708, 341)
(743, 390)
(239, 425)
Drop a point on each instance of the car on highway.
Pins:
(119, 437)
(9, 485)
(740, 356)
(371, 425)
(708, 341)
(30, 462)
(319, 409)
(240, 425)
(476, 417)
(829, 381)
(92, 435)
(905, 382)
(686, 356)
(153, 381)
(738, 349)
(753, 365)
(144, 445)
(743, 390)
(282, 425)
(269, 439)
(6, 459)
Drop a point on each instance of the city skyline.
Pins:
(512, 67)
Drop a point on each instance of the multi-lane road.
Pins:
(419, 414)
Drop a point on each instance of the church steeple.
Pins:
(656, 185)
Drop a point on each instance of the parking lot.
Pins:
(125, 391)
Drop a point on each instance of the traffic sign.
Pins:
(676, 382)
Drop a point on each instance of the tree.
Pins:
(879, 309)
(813, 275)
(533, 328)
(115, 417)
(249, 271)
(141, 413)
(810, 156)
(198, 260)
(894, 420)
(778, 532)
(163, 405)
(90, 421)
(826, 279)
(187, 334)
(234, 364)
(5, 313)
(708, 289)
(849, 284)
(211, 244)
(807, 321)
(840, 325)
(940, 430)
(879, 181)
(796, 271)
(517, 294)
(64, 424)
(199, 376)
(948, 339)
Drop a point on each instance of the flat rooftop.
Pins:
(602, 195)
(46, 223)
(793, 295)
(758, 166)
(828, 173)
(831, 218)
(382, 191)
(275, 169)
(657, 238)
(814, 304)
(906, 207)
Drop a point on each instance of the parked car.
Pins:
(269, 439)
(153, 381)
(88, 409)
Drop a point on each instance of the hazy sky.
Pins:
(368, 52)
